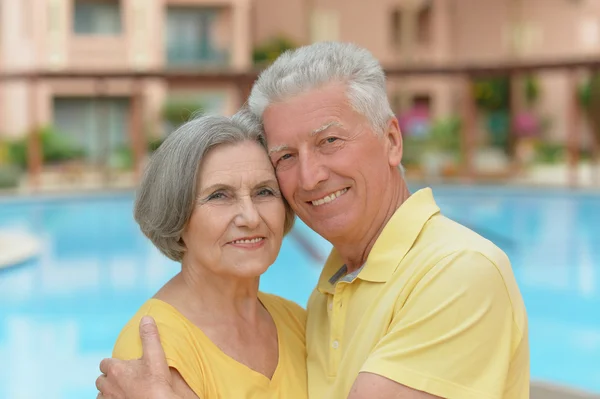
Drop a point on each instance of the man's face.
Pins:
(332, 167)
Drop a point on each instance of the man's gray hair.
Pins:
(167, 193)
(316, 65)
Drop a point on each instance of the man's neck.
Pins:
(354, 251)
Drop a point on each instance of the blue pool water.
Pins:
(61, 312)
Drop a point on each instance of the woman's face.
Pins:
(237, 224)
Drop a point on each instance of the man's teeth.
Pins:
(329, 198)
(252, 241)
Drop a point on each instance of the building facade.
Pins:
(114, 36)
(99, 36)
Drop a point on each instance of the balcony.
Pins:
(96, 53)
(97, 39)
(97, 18)
(197, 37)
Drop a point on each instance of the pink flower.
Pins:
(415, 121)
(526, 124)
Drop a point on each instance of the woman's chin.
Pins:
(250, 270)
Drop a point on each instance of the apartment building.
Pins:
(442, 32)
(108, 36)
(148, 35)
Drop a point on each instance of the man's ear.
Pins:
(393, 138)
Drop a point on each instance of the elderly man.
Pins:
(409, 304)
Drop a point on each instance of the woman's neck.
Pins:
(202, 295)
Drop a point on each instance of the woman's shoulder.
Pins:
(176, 338)
(284, 310)
(171, 327)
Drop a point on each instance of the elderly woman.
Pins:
(209, 199)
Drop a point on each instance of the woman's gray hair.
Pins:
(316, 65)
(166, 197)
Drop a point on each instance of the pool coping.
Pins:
(460, 187)
(550, 390)
(11, 197)
(17, 247)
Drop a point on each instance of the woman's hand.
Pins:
(145, 378)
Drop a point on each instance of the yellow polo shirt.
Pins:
(435, 307)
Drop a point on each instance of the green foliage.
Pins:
(179, 111)
(585, 90)
(443, 137)
(589, 99)
(413, 148)
(550, 153)
(268, 51)
(445, 134)
(4, 148)
(531, 89)
(9, 176)
(121, 158)
(56, 148)
(492, 94)
(17, 153)
(154, 144)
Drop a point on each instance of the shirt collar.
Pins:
(392, 245)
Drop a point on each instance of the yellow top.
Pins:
(435, 307)
(211, 373)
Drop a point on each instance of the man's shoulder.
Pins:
(471, 251)
(454, 252)
(442, 236)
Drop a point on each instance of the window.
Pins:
(191, 37)
(396, 28)
(97, 17)
(422, 25)
(98, 125)
(421, 101)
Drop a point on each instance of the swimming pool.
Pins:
(61, 312)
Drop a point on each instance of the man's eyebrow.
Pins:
(325, 127)
(278, 148)
(318, 130)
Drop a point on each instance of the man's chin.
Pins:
(331, 228)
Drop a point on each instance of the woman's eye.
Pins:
(217, 195)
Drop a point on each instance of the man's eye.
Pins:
(285, 156)
(265, 192)
(330, 140)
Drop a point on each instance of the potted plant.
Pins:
(589, 100)
(267, 52)
(10, 174)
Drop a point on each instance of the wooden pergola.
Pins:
(468, 72)
(243, 82)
